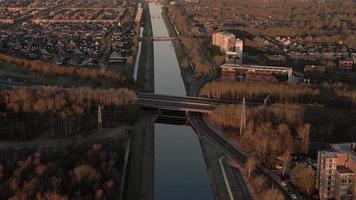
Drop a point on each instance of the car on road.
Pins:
(283, 183)
(293, 196)
(279, 167)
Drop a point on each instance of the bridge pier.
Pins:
(186, 116)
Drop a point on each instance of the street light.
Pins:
(227, 143)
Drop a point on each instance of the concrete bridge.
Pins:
(185, 103)
(167, 102)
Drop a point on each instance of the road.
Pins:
(231, 151)
(206, 105)
(243, 193)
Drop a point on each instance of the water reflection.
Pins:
(180, 171)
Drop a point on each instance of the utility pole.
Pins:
(100, 120)
(243, 117)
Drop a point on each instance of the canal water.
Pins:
(180, 170)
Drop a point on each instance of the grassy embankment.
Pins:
(140, 175)
(145, 74)
(186, 71)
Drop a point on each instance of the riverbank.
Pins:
(210, 152)
(145, 74)
(192, 84)
(140, 174)
(180, 170)
(235, 182)
(187, 70)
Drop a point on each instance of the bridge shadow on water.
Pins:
(172, 117)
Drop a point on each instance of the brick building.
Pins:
(346, 65)
(236, 72)
(336, 172)
(313, 73)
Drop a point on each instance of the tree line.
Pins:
(334, 95)
(63, 102)
(53, 69)
(194, 46)
(61, 111)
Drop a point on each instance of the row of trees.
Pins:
(302, 176)
(260, 184)
(336, 95)
(80, 171)
(135, 42)
(63, 102)
(53, 69)
(194, 46)
(26, 113)
(257, 91)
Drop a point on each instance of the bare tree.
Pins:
(250, 165)
(303, 133)
(303, 177)
(51, 196)
(259, 182)
(272, 194)
(283, 129)
(285, 158)
(1, 172)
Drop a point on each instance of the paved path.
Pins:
(225, 178)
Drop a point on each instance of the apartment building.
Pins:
(346, 65)
(236, 72)
(336, 172)
(313, 73)
(230, 45)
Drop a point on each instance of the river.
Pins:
(180, 170)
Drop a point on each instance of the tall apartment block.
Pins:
(336, 172)
(230, 45)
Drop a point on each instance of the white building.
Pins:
(229, 44)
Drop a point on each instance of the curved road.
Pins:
(199, 125)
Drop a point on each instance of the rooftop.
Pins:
(344, 170)
(346, 147)
(256, 67)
